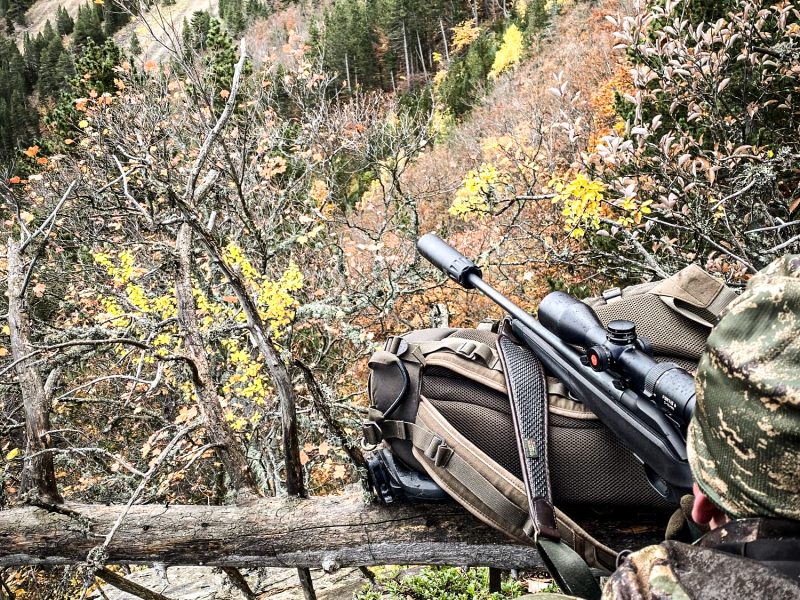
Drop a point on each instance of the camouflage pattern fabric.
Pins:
(744, 439)
(677, 571)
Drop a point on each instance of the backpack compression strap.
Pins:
(527, 392)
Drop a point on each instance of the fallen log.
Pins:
(328, 532)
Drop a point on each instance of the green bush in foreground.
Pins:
(436, 583)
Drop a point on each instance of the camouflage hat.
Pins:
(744, 439)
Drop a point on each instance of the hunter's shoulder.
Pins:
(677, 571)
(646, 573)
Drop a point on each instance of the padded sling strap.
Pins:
(527, 392)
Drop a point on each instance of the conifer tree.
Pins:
(53, 73)
(98, 62)
(196, 32)
(115, 17)
(64, 22)
(234, 16)
(88, 26)
(31, 51)
(134, 46)
(17, 120)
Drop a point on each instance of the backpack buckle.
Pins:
(372, 433)
(438, 451)
(467, 349)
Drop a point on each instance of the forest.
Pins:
(203, 247)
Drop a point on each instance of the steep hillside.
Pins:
(574, 56)
(158, 23)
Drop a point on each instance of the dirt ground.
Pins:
(209, 583)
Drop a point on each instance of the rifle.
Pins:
(646, 404)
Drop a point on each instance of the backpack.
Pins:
(440, 406)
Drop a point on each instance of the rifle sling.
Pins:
(527, 391)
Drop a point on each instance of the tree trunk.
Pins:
(219, 432)
(38, 475)
(422, 57)
(278, 370)
(408, 62)
(444, 40)
(328, 532)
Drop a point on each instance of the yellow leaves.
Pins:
(235, 256)
(162, 339)
(510, 51)
(83, 123)
(13, 454)
(464, 34)
(583, 203)
(26, 217)
(521, 7)
(319, 192)
(476, 192)
(103, 260)
(275, 298)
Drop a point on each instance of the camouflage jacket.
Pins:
(746, 559)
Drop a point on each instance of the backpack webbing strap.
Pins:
(695, 294)
(527, 393)
(469, 349)
(444, 457)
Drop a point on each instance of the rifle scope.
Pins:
(618, 348)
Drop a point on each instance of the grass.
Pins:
(436, 583)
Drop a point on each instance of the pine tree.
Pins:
(234, 16)
(64, 23)
(32, 50)
(88, 26)
(99, 63)
(52, 75)
(134, 46)
(115, 17)
(196, 32)
(18, 121)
